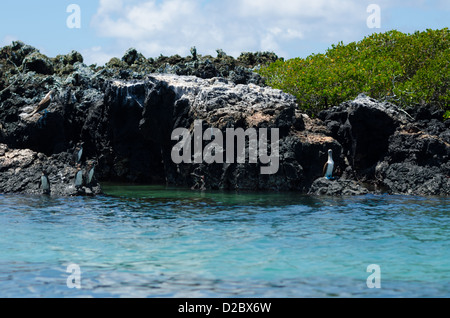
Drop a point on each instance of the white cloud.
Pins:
(108, 6)
(173, 26)
(96, 55)
(296, 8)
(144, 20)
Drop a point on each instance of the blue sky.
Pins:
(290, 28)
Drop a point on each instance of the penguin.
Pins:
(44, 183)
(78, 154)
(43, 104)
(90, 172)
(329, 166)
(79, 177)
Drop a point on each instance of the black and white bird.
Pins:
(90, 172)
(79, 177)
(329, 166)
(44, 183)
(78, 154)
(45, 102)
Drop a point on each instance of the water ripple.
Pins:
(157, 242)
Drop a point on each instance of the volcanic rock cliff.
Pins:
(124, 126)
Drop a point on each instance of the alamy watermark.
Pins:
(74, 19)
(374, 280)
(186, 151)
(374, 19)
(74, 279)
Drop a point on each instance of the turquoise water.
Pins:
(158, 242)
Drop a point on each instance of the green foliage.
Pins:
(447, 115)
(406, 69)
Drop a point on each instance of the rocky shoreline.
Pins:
(122, 116)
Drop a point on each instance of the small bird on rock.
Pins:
(78, 153)
(329, 166)
(90, 172)
(44, 183)
(43, 104)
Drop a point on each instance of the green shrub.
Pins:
(405, 69)
(447, 115)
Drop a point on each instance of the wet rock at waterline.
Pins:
(338, 187)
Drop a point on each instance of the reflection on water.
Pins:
(150, 241)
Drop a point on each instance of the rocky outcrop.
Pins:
(125, 124)
(21, 170)
(417, 160)
(133, 65)
(126, 128)
(363, 126)
(221, 104)
(392, 149)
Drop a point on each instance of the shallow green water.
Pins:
(158, 242)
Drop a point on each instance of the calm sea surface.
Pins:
(157, 242)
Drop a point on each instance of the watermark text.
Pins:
(374, 280)
(235, 149)
(74, 279)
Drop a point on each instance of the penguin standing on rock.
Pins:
(78, 154)
(79, 178)
(90, 173)
(44, 183)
